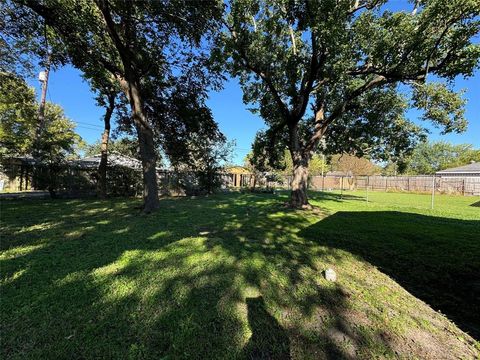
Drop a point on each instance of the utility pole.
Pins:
(322, 141)
(43, 78)
(36, 153)
(341, 189)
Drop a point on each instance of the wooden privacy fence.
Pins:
(81, 180)
(422, 183)
(468, 185)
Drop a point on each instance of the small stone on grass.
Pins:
(330, 275)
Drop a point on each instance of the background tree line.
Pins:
(430, 157)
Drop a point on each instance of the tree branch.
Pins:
(343, 106)
(48, 14)
(366, 5)
(318, 130)
(104, 8)
(263, 75)
(415, 7)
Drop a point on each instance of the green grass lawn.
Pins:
(240, 276)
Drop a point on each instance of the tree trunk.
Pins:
(147, 152)
(298, 196)
(149, 160)
(130, 84)
(146, 143)
(102, 168)
(300, 159)
(301, 155)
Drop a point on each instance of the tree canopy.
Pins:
(346, 72)
(156, 52)
(430, 157)
(18, 123)
(353, 166)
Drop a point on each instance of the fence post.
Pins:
(386, 183)
(367, 187)
(341, 189)
(463, 187)
(323, 182)
(433, 190)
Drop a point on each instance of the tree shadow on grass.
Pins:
(436, 259)
(98, 280)
(333, 196)
(269, 340)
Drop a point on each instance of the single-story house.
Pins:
(114, 159)
(470, 170)
(16, 173)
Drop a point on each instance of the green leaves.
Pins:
(352, 62)
(19, 119)
(442, 106)
(17, 115)
(429, 157)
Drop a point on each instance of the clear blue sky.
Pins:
(67, 88)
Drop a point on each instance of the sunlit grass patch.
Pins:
(230, 275)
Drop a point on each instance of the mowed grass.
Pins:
(240, 276)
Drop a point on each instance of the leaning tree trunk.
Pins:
(102, 168)
(130, 84)
(147, 148)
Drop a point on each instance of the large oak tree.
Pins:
(146, 47)
(346, 71)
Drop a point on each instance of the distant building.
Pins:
(16, 173)
(114, 159)
(470, 170)
(239, 175)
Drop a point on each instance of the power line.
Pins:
(85, 123)
(85, 127)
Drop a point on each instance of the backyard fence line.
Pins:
(168, 180)
(415, 184)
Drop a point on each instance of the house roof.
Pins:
(473, 168)
(237, 169)
(27, 159)
(89, 162)
(114, 159)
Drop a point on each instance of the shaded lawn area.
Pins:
(239, 276)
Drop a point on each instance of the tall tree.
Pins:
(17, 116)
(353, 166)
(18, 124)
(336, 70)
(145, 46)
(430, 157)
(108, 101)
(107, 90)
